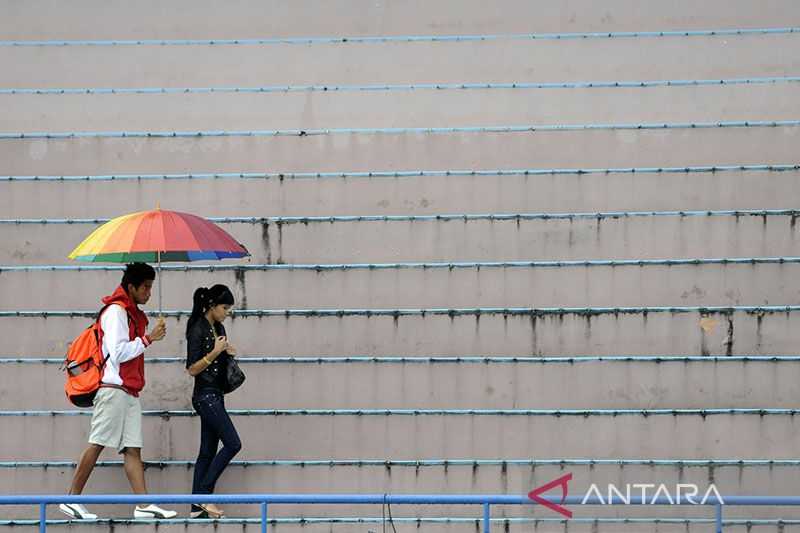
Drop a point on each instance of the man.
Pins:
(117, 416)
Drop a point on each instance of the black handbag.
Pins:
(234, 375)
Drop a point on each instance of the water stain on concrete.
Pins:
(265, 241)
(239, 273)
(728, 342)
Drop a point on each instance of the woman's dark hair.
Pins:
(136, 274)
(206, 298)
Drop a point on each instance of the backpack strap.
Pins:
(99, 330)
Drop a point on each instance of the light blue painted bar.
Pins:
(570, 360)
(415, 173)
(475, 311)
(693, 463)
(400, 131)
(411, 520)
(430, 266)
(411, 38)
(403, 87)
(403, 499)
(444, 217)
(439, 412)
(349, 499)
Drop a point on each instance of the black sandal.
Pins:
(198, 512)
(209, 513)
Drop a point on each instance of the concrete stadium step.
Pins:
(396, 109)
(403, 194)
(618, 284)
(251, 19)
(405, 435)
(336, 63)
(456, 478)
(595, 148)
(456, 237)
(593, 331)
(410, 383)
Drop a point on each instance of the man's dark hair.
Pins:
(136, 274)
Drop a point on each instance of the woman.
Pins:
(208, 351)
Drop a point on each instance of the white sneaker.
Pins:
(153, 511)
(76, 511)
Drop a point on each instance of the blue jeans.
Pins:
(215, 426)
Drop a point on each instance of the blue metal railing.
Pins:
(557, 413)
(446, 217)
(600, 84)
(454, 265)
(484, 500)
(465, 217)
(447, 463)
(527, 128)
(394, 174)
(419, 521)
(453, 359)
(412, 38)
(451, 312)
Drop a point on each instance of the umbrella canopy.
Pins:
(158, 236)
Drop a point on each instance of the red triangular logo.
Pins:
(536, 493)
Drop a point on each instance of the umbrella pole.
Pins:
(159, 284)
(158, 256)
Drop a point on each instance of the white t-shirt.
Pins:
(117, 345)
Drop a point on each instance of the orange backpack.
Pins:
(84, 365)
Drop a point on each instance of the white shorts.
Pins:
(116, 420)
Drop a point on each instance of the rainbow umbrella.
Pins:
(156, 236)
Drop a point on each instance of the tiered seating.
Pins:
(479, 262)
